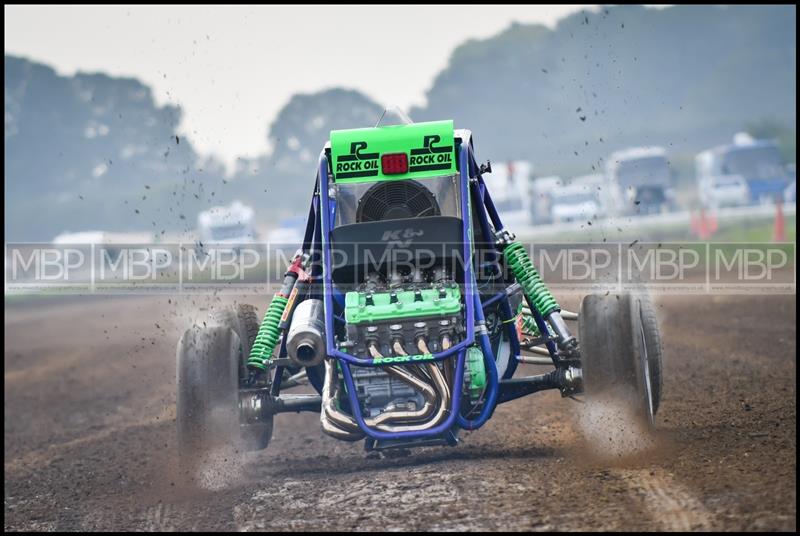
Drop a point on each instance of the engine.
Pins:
(407, 315)
(400, 320)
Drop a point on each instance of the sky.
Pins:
(231, 69)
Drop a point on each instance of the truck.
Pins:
(575, 202)
(596, 184)
(641, 180)
(747, 171)
(231, 224)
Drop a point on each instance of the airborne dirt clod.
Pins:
(90, 438)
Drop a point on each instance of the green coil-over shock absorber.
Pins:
(276, 320)
(535, 290)
(268, 333)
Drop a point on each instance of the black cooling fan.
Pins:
(393, 200)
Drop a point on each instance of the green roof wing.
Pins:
(356, 154)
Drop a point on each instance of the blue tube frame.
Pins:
(327, 226)
(323, 209)
(485, 199)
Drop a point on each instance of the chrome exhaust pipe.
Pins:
(442, 409)
(441, 388)
(414, 380)
(428, 393)
(334, 422)
(342, 426)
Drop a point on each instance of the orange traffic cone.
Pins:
(702, 226)
(711, 224)
(779, 235)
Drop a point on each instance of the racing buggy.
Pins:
(407, 308)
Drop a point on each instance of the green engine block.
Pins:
(364, 307)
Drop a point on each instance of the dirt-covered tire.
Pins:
(210, 363)
(244, 320)
(208, 399)
(621, 352)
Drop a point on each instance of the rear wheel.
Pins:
(244, 320)
(621, 352)
(209, 369)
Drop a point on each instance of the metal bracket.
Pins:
(504, 237)
(281, 362)
(571, 381)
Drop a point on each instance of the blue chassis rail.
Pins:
(320, 223)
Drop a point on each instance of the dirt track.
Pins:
(89, 439)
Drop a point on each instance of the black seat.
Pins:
(361, 248)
